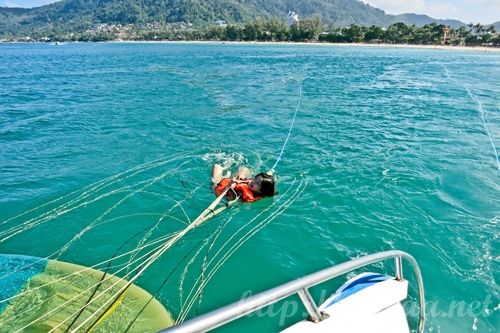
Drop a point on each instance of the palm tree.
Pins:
(478, 28)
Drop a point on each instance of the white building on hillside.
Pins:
(221, 23)
(292, 18)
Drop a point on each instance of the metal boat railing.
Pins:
(300, 286)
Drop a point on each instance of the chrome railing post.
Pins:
(398, 265)
(310, 305)
(421, 292)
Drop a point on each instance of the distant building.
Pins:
(221, 23)
(292, 18)
(446, 31)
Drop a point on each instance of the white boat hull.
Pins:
(367, 303)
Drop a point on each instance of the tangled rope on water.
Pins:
(209, 268)
(226, 252)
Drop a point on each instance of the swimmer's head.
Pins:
(263, 184)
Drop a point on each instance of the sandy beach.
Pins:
(404, 46)
(382, 45)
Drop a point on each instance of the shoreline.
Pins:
(322, 44)
(381, 45)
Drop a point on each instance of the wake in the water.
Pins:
(482, 112)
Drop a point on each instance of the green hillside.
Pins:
(340, 12)
(78, 15)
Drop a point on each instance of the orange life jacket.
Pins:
(241, 189)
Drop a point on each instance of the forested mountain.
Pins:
(421, 20)
(77, 15)
(341, 12)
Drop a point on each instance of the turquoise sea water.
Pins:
(104, 144)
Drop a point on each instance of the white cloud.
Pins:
(490, 4)
(442, 11)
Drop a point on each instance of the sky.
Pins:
(467, 11)
(24, 3)
(476, 11)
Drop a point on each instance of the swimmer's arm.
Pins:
(217, 174)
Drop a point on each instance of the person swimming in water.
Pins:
(247, 188)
